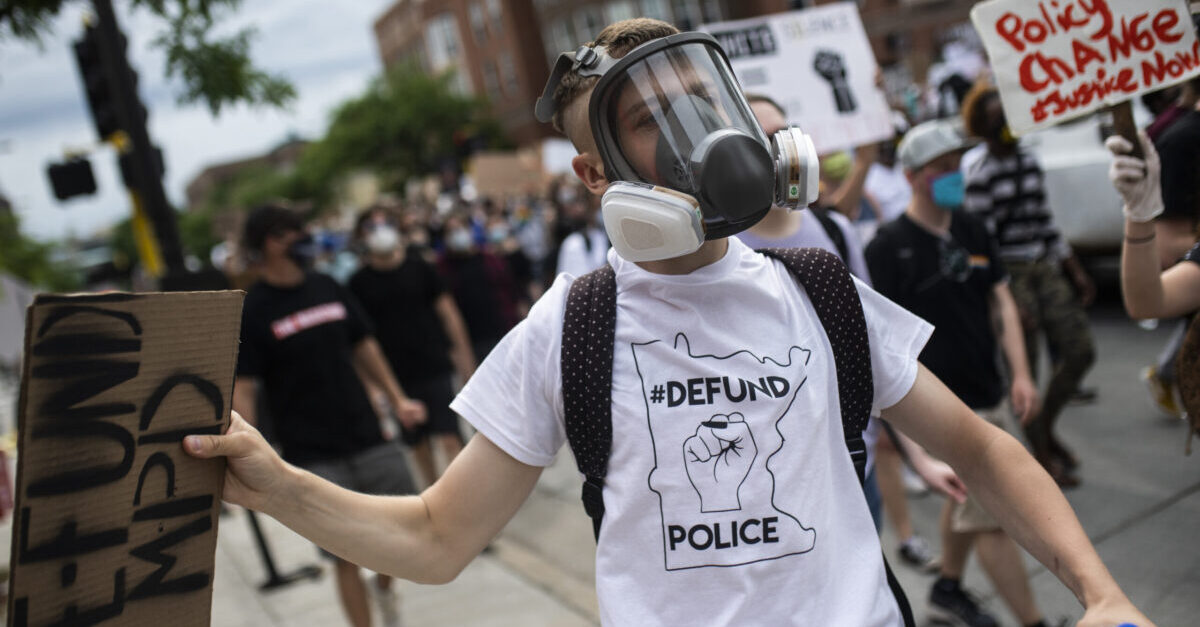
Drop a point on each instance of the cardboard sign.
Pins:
(817, 64)
(115, 524)
(1056, 60)
(498, 174)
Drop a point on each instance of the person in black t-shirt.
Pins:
(482, 285)
(941, 264)
(304, 342)
(421, 332)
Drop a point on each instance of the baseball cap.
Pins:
(928, 141)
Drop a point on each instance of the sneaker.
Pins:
(1083, 396)
(957, 607)
(389, 605)
(915, 552)
(1164, 394)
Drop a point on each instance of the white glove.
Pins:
(1136, 180)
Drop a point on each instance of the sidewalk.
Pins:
(509, 585)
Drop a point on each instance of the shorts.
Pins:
(436, 393)
(969, 516)
(381, 469)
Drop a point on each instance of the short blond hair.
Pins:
(618, 39)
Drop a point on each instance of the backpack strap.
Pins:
(589, 326)
(832, 293)
(831, 290)
(833, 231)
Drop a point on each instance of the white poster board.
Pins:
(817, 64)
(1054, 61)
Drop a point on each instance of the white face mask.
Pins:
(383, 239)
(459, 240)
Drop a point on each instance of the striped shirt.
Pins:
(1008, 193)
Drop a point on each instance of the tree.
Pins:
(215, 70)
(406, 124)
(29, 260)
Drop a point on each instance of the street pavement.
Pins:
(1139, 503)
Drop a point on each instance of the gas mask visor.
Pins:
(671, 114)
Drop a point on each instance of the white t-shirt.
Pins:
(730, 498)
(578, 256)
(890, 189)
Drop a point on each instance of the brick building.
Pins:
(503, 49)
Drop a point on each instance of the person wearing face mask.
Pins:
(421, 332)
(1005, 188)
(942, 265)
(308, 346)
(481, 283)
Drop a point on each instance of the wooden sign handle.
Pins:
(1122, 117)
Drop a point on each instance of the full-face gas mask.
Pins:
(686, 159)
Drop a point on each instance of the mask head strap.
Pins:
(586, 61)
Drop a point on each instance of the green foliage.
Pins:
(403, 126)
(30, 260)
(215, 70)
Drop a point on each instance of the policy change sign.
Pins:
(817, 64)
(114, 523)
(1058, 59)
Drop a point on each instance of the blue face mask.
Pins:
(947, 190)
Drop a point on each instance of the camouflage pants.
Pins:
(1048, 306)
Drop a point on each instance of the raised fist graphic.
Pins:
(717, 459)
(832, 67)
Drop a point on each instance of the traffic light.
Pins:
(101, 70)
(72, 178)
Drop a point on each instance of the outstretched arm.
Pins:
(1017, 491)
(428, 538)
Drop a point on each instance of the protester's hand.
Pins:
(1114, 615)
(1136, 180)
(940, 476)
(1085, 287)
(866, 154)
(254, 473)
(410, 412)
(1024, 399)
(717, 459)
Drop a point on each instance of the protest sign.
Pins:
(499, 174)
(1058, 59)
(114, 523)
(817, 64)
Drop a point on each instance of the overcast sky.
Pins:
(326, 49)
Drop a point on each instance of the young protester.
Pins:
(942, 265)
(1004, 187)
(768, 473)
(305, 344)
(489, 298)
(825, 228)
(421, 334)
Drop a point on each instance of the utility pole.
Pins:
(126, 113)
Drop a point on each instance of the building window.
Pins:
(711, 11)
(617, 11)
(496, 15)
(656, 9)
(508, 73)
(588, 22)
(478, 26)
(559, 38)
(687, 15)
(491, 83)
(442, 42)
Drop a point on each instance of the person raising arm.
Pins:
(1149, 293)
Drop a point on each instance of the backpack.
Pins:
(588, 336)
